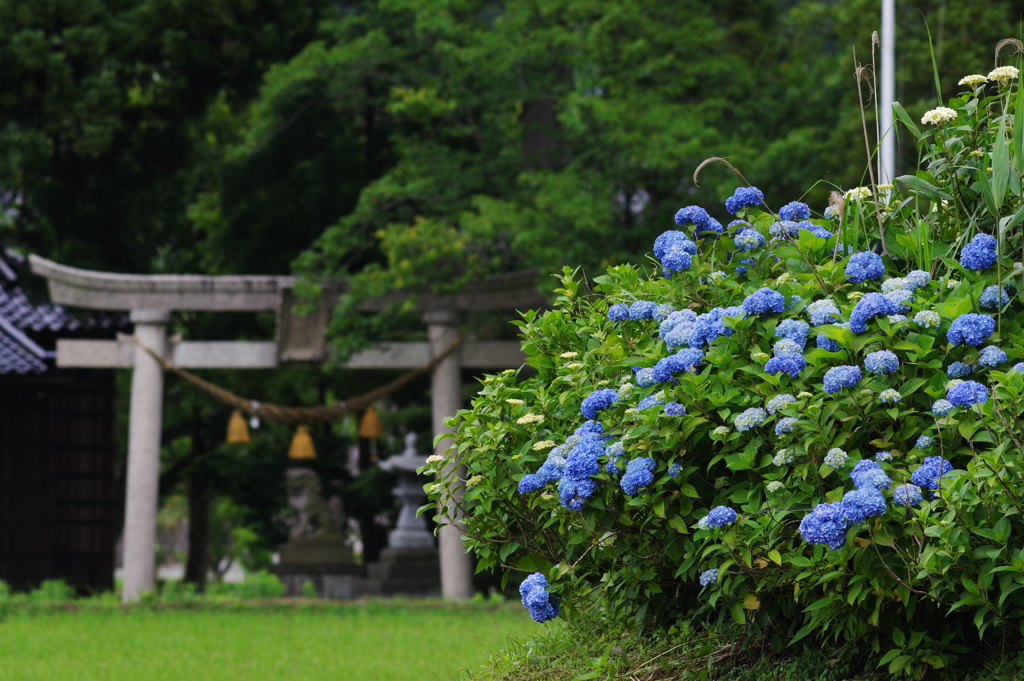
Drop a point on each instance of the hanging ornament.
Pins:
(254, 409)
(369, 425)
(238, 432)
(302, 445)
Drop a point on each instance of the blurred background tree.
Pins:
(406, 143)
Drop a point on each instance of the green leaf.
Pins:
(905, 118)
(736, 610)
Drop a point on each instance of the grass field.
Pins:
(373, 641)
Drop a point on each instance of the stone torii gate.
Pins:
(150, 299)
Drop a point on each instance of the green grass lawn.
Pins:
(365, 641)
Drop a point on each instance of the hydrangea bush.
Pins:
(782, 427)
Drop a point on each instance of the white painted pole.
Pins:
(445, 400)
(887, 155)
(142, 491)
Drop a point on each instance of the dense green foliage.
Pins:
(918, 580)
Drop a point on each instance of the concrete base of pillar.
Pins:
(405, 571)
(328, 580)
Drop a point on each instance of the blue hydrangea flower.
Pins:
(1018, 368)
(826, 343)
(865, 266)
(861, 504)
(895, 284)
(708, 327)
(993, 298)
(836, 458)
(991, 356)
(674, 471)
(692, 215)
(553, 469)
(816, 230)
(789, 363)
(613, 453)
(582, 460)
(918, 279)
(882, 362)
(641, 309)
(764, 301)
(711, 230)
(980, 254)
(929, 319)
(787, 347)
(901, 298)
(971, 329)
(897, 318)
(743, 197)
(719, 516)
(826, 524)
(840, 377)
(651, 401)
(795, 330)
(639, 474)
(684, 360)
(823, 312)
(967, 394)
(942, 407)
(645, 376)
(907, 495)
(751, 418)
(883, 457)
(923, 442)
(787, 229)
(785, 425)
(709, 577)
(675, 409)
(780, 401)
(618, 313)
(867, 473)
(795, 210)
(596, 401)
(661, 312)
(870, 306)
(536, 599)
(531, 482)
(675, 251)
(748, 239)
(831, 213)
(783, 457)
(574, 493)
(889, 395)
(958, 370)
(590, 426)
(931, 471)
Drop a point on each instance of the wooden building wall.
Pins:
(58, 500)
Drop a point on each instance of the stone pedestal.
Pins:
(315, 551)
(405, 571)
(329, 580)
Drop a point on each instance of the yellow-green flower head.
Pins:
(804, 395)
(435, 458)
(529, 418)
(939, 115)
(855, 295)
(1004, 74)
(513, 401)
(574, 365)
(973, 81)
(977, 153)
(760, 357)
(884, 187)
(475, 480)
(543, 444)
(859, 193)
(568, 355)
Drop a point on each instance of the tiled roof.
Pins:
(27, 329)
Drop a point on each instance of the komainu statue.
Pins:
(312, 517)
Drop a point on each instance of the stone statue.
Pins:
(312, 517)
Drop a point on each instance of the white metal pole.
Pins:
(887, 155)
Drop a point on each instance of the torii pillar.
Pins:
(142, 492)
(445, 401)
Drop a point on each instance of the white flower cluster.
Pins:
(973, 80)
(859, 193)
(1004, 74)
(529, 418)
(942, 114)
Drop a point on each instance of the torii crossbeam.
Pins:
(150, 299)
